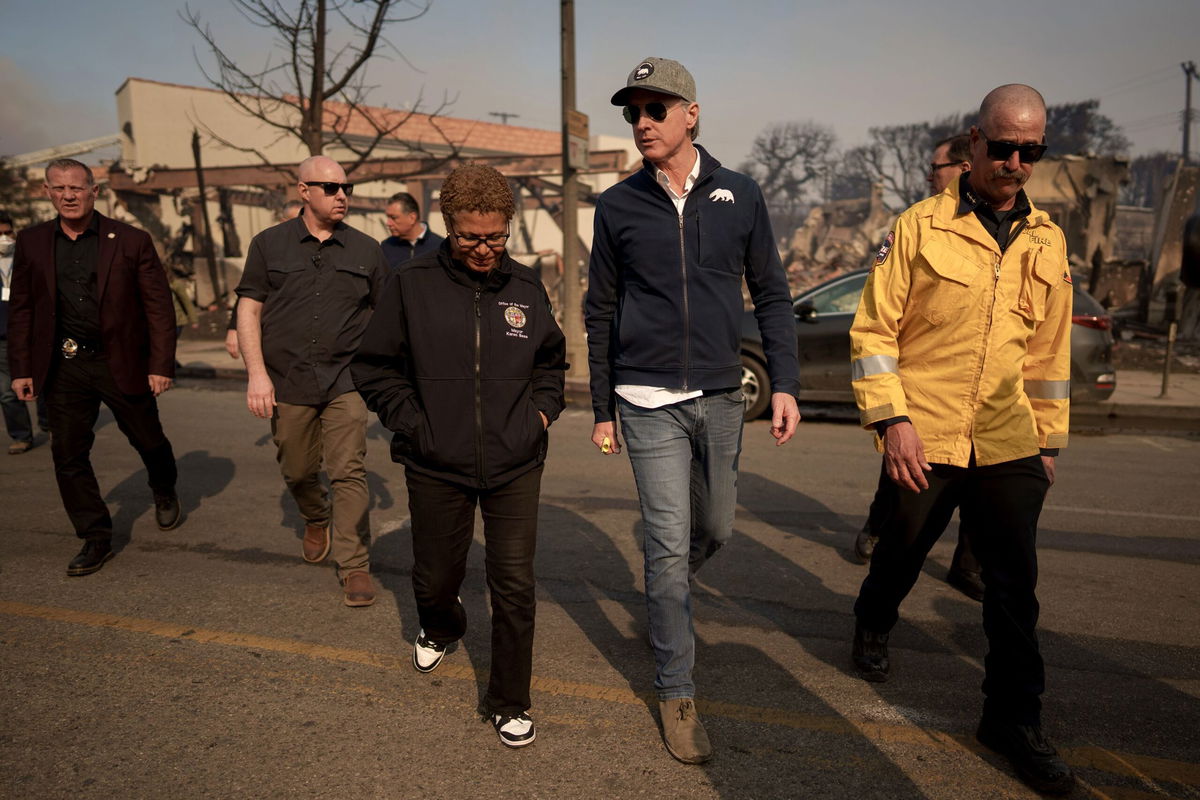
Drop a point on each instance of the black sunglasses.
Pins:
(934, 167)
(1002, 151)
(331, 187)
(655, 110)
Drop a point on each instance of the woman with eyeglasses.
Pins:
(464, 363)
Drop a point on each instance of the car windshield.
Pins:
(840, 298)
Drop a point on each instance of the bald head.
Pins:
(1012, 101)
(321, 168)
(324, 191)
(1011, 117)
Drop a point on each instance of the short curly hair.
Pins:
(479, 188)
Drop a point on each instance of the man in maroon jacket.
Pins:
(90, 321)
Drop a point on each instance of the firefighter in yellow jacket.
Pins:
(961, 366)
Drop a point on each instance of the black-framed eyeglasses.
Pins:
(1002, 151)
(934, 167)
(656, 110)
(331, 187)
(494, 241)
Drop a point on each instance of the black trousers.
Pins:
(881, 508)
(1000, 504)
(443, 523)
(73, 393)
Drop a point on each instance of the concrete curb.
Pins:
(1182, 416)
(1135, 416)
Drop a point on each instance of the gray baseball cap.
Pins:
(658, 75)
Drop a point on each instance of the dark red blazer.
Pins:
(137, 316)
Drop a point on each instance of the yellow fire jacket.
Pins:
(974, 346)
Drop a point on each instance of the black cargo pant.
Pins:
(1000, 505)
(443, 524)
(74, 391)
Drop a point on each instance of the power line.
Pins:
(1152, 121)
(1149, 126)
(1123, 85)
(1136, 86)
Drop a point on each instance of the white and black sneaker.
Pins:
(427, 654)
(514, 731)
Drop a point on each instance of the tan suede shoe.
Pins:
(315, 545)
(358, 589)
(683, 732)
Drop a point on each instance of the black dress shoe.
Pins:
(1035, 761)
(968, 582)
(870, 654)
(167, 511)
(864, 545)
(91, 558)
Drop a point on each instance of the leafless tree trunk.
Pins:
(304, 91)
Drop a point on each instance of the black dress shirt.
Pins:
(75, 270)
(317, 298)
(998, 223)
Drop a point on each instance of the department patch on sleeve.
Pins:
(886, 249)
(1067, 276)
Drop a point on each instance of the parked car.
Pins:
(823, 318)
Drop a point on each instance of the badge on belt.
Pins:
(70, 348)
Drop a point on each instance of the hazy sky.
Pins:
(849, 64)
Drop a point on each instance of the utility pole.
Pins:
(1189, 72)
(503, 115)
(572, 311)
(1172, 293)
(207, 241)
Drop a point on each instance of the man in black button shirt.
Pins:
(305, 297)
(91, 321)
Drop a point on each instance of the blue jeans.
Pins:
(685, 461)
(16, 413)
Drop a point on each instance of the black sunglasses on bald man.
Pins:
(331, 187)
(655, 110)
(1002, 151)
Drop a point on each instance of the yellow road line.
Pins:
(1145, 768)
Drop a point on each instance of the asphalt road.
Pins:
(211, 661)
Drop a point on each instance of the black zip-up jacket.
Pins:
(664, 300)
(458, 367)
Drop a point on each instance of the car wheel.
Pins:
(756, 387)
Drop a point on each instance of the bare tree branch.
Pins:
(786, 159)
(312, 66)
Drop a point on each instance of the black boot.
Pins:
(870, 654)
(864, 544)
(91, 558)
(1035, 761)
(167, 511)
(965, 573)
(967, 582)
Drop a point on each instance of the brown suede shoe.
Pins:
(683, 732)
(316, 543)
(358, 589)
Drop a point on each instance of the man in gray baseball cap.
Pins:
(668, 278)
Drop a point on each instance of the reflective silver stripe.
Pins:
(873, 365)
(1048, 390)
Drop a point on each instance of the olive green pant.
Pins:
(335, 433)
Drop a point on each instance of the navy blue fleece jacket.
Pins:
(664, 299)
